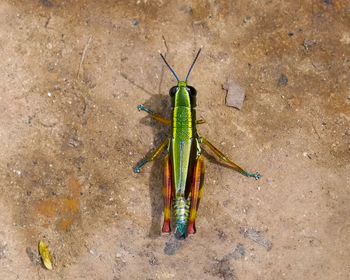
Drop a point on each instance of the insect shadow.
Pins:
(160, 104)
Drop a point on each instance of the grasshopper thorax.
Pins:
(183, 95)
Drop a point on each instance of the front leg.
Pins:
(159, 118)
(223, 157)
(154, 115)
(153, 155)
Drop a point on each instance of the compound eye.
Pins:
(173, 91)
(192, 91)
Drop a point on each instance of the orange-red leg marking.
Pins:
(196, 192)
(167, 186)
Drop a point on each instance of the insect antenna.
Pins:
(172, 71)
(194, 61)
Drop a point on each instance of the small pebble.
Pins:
(308, 43)
(18, 172)
(282, 81)
(134, 21)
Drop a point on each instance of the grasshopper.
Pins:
(183, 164)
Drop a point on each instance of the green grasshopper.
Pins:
(183, 165)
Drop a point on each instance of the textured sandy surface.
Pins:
(70, 135)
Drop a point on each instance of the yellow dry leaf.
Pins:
(45, 255)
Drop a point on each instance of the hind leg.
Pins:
(196, 192)
(223, 157)
(167, 190)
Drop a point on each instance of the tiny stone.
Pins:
(18, 172)
(46, 3)
(282, 81)
(2, 251)
(308, 43)
(134, 21)
(153, 261)
(247, 19)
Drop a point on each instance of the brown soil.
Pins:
(72, 74)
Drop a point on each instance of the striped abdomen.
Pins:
(181, 212)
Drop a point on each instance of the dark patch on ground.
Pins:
(46, 3)
(172, 245)
(282, 81)
(257, 237)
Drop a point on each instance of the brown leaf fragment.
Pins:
(45, 255)
(235, 94)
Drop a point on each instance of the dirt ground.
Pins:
(71, 76)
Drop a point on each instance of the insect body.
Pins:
(183, 165)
